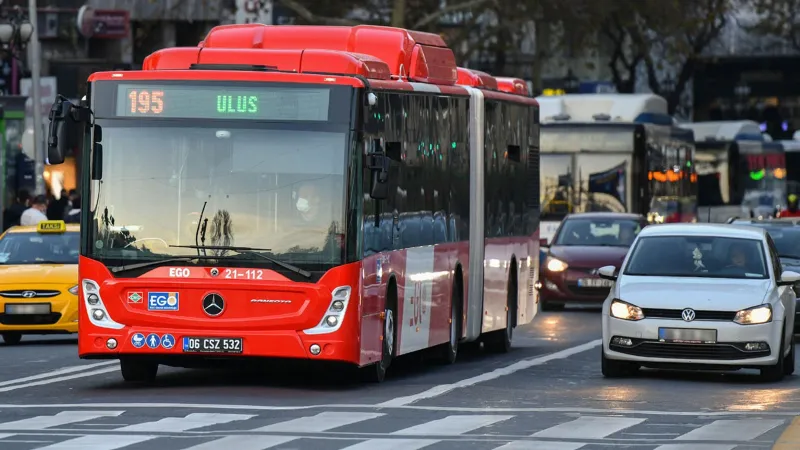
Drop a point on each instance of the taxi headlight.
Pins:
(74, 290)
(625, 311)
(755, 315)
(556, 265)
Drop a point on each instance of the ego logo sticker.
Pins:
(162, 301)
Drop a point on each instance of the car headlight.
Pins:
(755, 315)
(556, 265)
(74, 290)
(625, 311)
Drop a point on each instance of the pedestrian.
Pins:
(12, 214)
(36, 213)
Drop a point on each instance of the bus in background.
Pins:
(739, 170)
(792, 153)
(326, 194)
(614, 153)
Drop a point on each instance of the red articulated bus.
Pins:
(340, 194)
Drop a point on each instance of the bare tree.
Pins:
(778, 18)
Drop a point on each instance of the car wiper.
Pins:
(123, 268)
(251, 251)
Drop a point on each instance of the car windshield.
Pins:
(35, 248)
(697, 256)
(170, 185)
(598, 232)
(786, 238)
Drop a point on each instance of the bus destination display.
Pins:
(207, 102)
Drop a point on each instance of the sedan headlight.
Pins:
(625, 311)
(755, 315)
(556, 265)
(74, 290)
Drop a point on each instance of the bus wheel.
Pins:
(138, 371)
(500, 341)
(12, 338)
(450, 349)
(376, 373)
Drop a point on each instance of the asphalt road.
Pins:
(546, 394)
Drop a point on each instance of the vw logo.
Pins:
(213, 304)
(29, 294)
(688, 314)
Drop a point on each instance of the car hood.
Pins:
(707, 294)
(589, 256)
(39, 274)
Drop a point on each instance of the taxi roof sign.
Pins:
(51, 226)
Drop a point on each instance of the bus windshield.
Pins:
(220, 184)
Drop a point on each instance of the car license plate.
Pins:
(687, 335)
(594, 283)
(212, 345)
(27, 308)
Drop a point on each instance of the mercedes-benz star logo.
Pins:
(213, 305)
(688, 314)
(29, 294)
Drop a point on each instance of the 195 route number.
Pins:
(212, 345)
(242, 274)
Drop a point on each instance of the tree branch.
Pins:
(310, 17)
(434, 16)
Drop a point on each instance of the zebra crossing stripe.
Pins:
(540, 445)
(589, 427)
(60, 419)
(731, 430)
(452, 425)
(190, 422)
(392, 444)
(321, 422)
(244, 442)
(98, 442)
(696, 447)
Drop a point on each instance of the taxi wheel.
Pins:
(138, 371)
(12, 338)
(788, 365)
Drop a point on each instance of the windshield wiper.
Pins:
(123, 268)
(250, 251)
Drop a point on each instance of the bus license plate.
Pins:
(594, 283)
(212, 345)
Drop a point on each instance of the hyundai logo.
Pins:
(688, 314)
(29, 294)
(213, 305)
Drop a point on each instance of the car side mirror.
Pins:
(788, 278)
(607, 273)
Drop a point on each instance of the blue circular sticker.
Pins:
(137, 340)
(167, 341)
(153, 340)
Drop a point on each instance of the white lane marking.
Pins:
(392, 444)
(319, 423)
(497, 373)
(57, 372)
(541, 445)
(59, 379)
(451, 425)
(190, 422)
(244, 442)
(98, 442)
(731, 430)
(696, 447)
(6, 435)
(588, 427)
(60, 419)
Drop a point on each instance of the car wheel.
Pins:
(788, 365)
(776, 371)
(616, 369)
(138, 371)
(12, 338)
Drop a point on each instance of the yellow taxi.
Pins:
(39, 280)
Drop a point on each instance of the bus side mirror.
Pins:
(65, 130)
(378, 164)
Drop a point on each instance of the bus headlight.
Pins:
(334, 316)
(98, 314)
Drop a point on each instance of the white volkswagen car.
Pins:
(700, 296)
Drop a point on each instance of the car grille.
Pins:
(29, 319)
(29, 293)
(588, 291)
(698, 315)
(719, 351)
